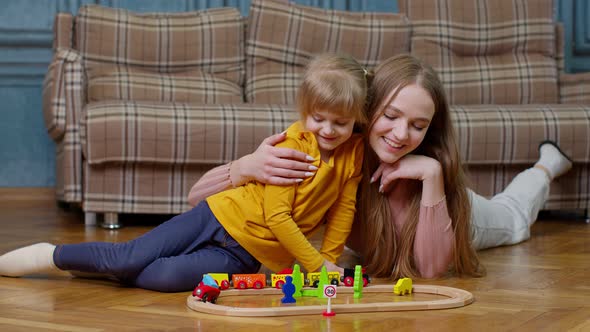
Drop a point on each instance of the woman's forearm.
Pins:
(214, 181)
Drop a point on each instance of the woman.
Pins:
(415, 215)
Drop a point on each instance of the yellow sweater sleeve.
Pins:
(341, 215)
(278, 207)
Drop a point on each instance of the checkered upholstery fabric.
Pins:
(131, 83)
(488, 51)
(208, 40)
(283, 36)
(510, 134)
(574, 88)
(178, 133)
(140, 187)
(63, 99)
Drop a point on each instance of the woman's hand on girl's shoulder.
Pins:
(415, 167)
(275, 165)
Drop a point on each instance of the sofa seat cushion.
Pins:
(283, 36)
(510, 134)
(488, 52)
(177, 133)
(209, 40)
(130, 83)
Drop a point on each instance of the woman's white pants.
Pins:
(507, 217)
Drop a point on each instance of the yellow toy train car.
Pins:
(313, 278)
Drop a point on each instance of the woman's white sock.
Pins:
(36, 258)
(553, 160)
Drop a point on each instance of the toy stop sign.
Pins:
(329, 291)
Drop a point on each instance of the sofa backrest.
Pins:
(132, 56)
(282, 37)
(488, 51)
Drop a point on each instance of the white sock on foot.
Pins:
(36, 258)
(553, 160)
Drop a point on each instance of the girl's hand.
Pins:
(272, 165)
(331, 267)
(415, 167)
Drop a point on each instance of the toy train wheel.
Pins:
(224, 285)
(316, 284)
(242, 285)
(334, 282)
(279, 284)
(258, 284)
(204, 298)
(348, 281)
(365, 282)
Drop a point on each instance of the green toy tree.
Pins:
(323, 281)
(358, 282)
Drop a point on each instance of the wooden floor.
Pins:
(540, 285)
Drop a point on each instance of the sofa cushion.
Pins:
(510, 134)
(283, 36)
(488, 52)
(130, 83)
(208, 40)
(177, 133)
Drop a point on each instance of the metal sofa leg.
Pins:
(89, 219)
(111, 221)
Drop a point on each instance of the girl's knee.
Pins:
(166, 280)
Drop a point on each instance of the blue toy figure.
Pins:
(288, 290)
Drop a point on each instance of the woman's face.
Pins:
(402, 125)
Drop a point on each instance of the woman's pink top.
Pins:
(433, 245)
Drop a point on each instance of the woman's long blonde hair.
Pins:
(384, 255)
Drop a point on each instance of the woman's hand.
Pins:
(414, 167)
(272, 165)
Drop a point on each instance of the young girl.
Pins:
(237, 230)
(416, 217)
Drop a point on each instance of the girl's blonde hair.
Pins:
(384, 255)
(335, 83)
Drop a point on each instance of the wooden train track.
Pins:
(454, 298)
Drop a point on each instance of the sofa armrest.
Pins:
(63, 92)
(64, 97)
(574, 88)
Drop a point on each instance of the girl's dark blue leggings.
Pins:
(170, 258)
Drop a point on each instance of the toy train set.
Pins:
(213, 283)
(204, 297)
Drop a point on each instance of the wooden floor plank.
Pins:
(539, 285)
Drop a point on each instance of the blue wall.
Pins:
(27, 154)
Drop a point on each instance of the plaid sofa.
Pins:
(141, 105)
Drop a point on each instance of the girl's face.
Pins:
(329, 128)
(402, 125)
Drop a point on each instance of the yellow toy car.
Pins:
(403, 286)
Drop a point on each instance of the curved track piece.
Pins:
(455, 298)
